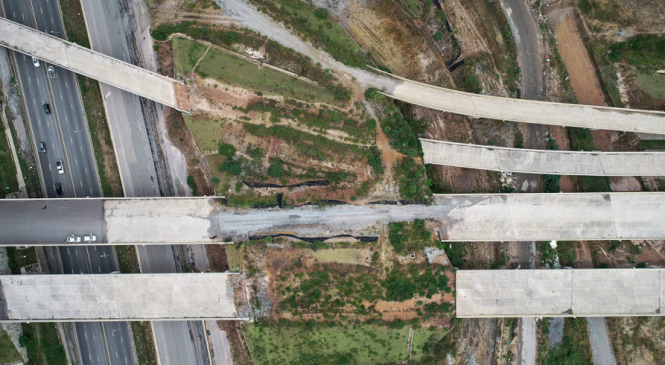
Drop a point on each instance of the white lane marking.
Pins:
(40, 9)
(71, 140)
(80, 182)
(47, 124)
(52, 21)
(77, 161)
(29, 80)
(86, 334)
(68, 254)
(77, 253)
(67, 119)
(90, 356)
(40, 122)
(52, 145)
(49, 167)
(60, 96)
(107, 95)
(93, 336)
(23, 16)
(86, 170)
(71, 106)
(13, 12)
(81, 148)
(116, 354)
(100, 270)
(67, 84)
(33, 101)
(37, 80)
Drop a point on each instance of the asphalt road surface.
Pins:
(600, 342)
(91, 342)
(107, 22)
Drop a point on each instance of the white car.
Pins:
(73, 239)
(35, 61)
(51, 72)
(59, 167)
(89, 238)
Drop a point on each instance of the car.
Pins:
(73, 239)
(51, 72)
(59, 167)
(35, 61)
(89, 238)
(58, 188)
(42, 147)
(47, 109)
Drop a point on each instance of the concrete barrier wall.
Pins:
(560, 293)
(88, 63)
(543, 161)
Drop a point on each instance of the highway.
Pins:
(71, 131)
(109, 26)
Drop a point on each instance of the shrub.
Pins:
(215, 181)
(227, 150)
(438, 36)
(585, 6)
(276, 168)
(321, 13)
(238, 186)
(192, 184)
(231, 37)
(234, 167)
(374, 159)
(551, 183)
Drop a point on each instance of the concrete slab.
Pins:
(543, 161)
(88, 63)
(116, 297)
(560, 293)
(527, 111)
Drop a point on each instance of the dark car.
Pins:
(42, 147)
(58, 188)
(47, 109)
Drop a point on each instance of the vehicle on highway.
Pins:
(42, 147)
(60, 167)
(47, 109)
(51, 72)
(73, 239)
(89, 238)
(35, 61)
(58, 188)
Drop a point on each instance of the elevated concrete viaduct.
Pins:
(543, 161)
(169, 92)
(93, 64)
(472, 217)
(29, 298)
(560, 293)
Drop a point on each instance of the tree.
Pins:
(276, 169)
(233, 167)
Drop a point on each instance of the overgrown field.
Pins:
(8, 352)
(8, 181)
(287, 342)
(43, 344)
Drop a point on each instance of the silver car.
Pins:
(59, 167)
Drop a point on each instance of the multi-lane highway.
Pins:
(66, 137)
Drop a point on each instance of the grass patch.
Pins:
(107, 164)
(251, 201)
(567, 253)
(143, 343)
(547, 253)
(43, 344)
(234, 256)
(413, 7)
(187, 53)
(72, 17)
(580, 139)
(326, 343)
(8, 352)
(206, 132)
(642, 50)
(235, 71)
(652, 145)
(8, 180)
(652, 84)
(594, 184)
(574, 349)
(315, 25)
(407, 237)
(19, 258)
(350, 256)
(127, 259)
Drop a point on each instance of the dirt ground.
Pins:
(578, 62)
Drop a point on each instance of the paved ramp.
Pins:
(560, 293)
(527, 111)
(543, 161)
(116, 297)
(91, 64)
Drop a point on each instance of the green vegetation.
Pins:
(251, 201)
(317, 343)
(374, 159)
(652, 145)
(408, 237)
(43, 344)
(413, 7)
(8, 181)
(313, 146)
(550, 183)
(608, 72)
(574, 349)
(276, 168)
(403, 133)
(455, 252)
(227, 150)
(594, 184)
(580, 139)
(280, 56)
(511, 67)
(143, 343)
(236, 71)
(107, 164)
(411, 179)
(186, 54)
(403, 284)
(438, 36)
(8, 352)
(19, 258)
(547, 253)
(642, 50)
(330, 36)
(567, 253)
(652, 84)
(72, 17)
(585, 6)
(191, 182)
(127, 259)
(471, 82)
